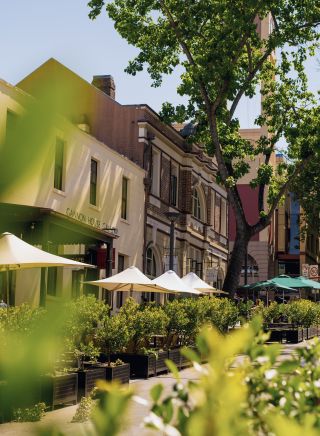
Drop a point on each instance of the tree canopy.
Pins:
(228, 49)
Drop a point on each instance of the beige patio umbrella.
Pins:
(172, 282)
(129, 280)
(193, 281)
(16, 254)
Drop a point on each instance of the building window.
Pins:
(174, 186)
(217, 213)
(124, 199)
(213, 202)
(58, 164)
(93, 182)
(223, 227)
(151, 267)
(121, 261)
(196, 207)
(155, 175)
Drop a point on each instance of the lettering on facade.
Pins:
(89, 220)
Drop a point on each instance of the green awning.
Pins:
(290, 282)
(309, 282)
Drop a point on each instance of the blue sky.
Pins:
(32, 31)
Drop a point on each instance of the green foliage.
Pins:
(30, 414)
(113, 335)
(250, 396)
(303, 313)
(219, 312)
(84, 409)
(142, 323)
(20, 319)
(223, 58)
(85, 315)
(109, 416)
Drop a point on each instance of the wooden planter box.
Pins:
(141, 365)
(59, 389)
(87, 379)
(295, 336)
(312, 332)
(160, 362)
(174, 355)
(120, 373)
(277, 335)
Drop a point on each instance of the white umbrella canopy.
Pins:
(172, 282)
(129, 280)
(17, 254)
(192, 280)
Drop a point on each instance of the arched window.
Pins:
(151, 266)
(196, 206)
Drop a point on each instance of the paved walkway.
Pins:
(62, 417)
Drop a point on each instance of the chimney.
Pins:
(106, 84)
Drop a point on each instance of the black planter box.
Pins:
(174, 355)
(295, 336)
(312, 332)
(87, 379)
(120, 373)
(59, 389)
(141, 365)
(160, 362)
(277, 335)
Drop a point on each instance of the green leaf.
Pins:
(156, 391)
(288, 366)
(172, 368)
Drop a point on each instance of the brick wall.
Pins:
(165, 180)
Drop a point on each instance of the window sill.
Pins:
(59, 192)
(93, 207)
(122, 220)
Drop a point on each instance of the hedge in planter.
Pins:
(143, 322)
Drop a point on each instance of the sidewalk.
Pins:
(62, 417)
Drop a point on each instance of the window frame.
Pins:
(58, 176)
(93, 193)
(124, 198)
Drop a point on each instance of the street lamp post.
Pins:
(173, 217)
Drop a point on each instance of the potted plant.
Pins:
(175, 329)
(85, 317)
(113, 336)
(143, 323)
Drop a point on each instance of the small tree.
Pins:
(143, 323)
(177, 321)
(113, 336)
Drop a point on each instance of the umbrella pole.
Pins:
(8, 288)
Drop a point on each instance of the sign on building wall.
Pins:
(313, 271)
(305, 270)
(211, 275)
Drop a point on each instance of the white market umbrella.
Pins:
(129, 280)
(193, 281)
(16, 254)
(172, 282)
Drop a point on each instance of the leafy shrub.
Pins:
(113, 335)
(30, 414)
(177, 322)
(303, 313)
(84, 409)
(142, 323)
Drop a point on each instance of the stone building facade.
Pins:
(179, 177)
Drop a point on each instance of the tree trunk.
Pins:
(239, 251)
